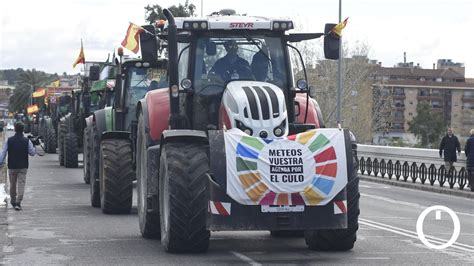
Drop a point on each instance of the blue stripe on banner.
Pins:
(267, 140)
(246, 152)
(325, 185)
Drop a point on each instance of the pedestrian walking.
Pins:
(469, 150)
(449, 145)
(17, 148)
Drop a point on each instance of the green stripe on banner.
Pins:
(318, 143)
(243, 165)
(253, 142)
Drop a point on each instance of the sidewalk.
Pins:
(4, 240)
(466, 193)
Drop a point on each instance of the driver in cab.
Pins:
(231, 66)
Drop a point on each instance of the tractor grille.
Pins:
(261, 94)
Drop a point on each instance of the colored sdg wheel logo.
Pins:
(298, 170)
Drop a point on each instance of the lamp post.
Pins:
(339, 78)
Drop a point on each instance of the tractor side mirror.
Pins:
(332, 43)
(149, 44)
(211, 48)
(94, 73)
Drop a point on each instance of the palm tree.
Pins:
(26, 83)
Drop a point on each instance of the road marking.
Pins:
(415, 205)
(245, 258)
(372, 258)
(412, 234)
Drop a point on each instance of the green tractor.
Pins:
(101, 96)
(113, 130)
(71, 126)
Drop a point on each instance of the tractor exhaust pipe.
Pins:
(173, 69)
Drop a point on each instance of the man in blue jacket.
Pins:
(17, 148)
(469, 150)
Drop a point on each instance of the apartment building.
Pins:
(444, 88)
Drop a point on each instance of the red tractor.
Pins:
(236, 143)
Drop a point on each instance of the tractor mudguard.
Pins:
(227, 214)
(100, 121)
(89, 120)
(115, 135)
(314, 117)
(183, 134)
(156, 107)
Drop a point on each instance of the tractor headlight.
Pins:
(244, 128)
(280, 130)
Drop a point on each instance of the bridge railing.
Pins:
(410, 164)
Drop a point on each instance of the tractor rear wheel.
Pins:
(50, 140)
(86, 155)
(61, 132)
(340, 239)
(70, 150)
(183, 197)
(116, 176)
(147, 189)
(94, 167)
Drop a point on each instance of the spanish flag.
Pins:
(131, 39)
(339, 27)
(81, 59)
(55, 83)
(32, 109)
(39, 93)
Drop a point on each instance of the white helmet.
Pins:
(257, 108)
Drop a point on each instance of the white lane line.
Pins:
(245, 258)
(414, 235)
(410, 204)
(431, 238)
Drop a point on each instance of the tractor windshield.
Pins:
(219, 60)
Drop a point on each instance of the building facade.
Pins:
(444, 88)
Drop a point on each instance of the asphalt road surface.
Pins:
(58, 226)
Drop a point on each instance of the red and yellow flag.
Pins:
(131, 39)
(39, 93)
(32, 109)
(81, 59)
(339, 27)
(55, 83)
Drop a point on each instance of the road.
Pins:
(58, 226)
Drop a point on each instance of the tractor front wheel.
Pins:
(183, 197)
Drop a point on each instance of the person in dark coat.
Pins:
(449, 145)
(469, 150)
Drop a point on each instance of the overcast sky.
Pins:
(46, 34)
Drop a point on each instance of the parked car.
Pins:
(10, 126)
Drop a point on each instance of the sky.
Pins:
(46, 34)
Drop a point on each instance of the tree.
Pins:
(427, 125)
(25, 84)
(155, 12)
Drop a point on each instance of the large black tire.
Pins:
(340, 239)
(50, 140)
(61, 132)
(94, 167)
(70, 150)
(86, 155)
(116, 176)
(183, 197)
(147, 189)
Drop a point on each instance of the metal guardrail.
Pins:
(416, 165)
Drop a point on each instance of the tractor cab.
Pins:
(236, 71)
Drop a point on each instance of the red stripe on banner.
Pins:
(341, 206)
(327, 170)
(296, 199)
(268, 199)
(326, 155)
(220, 208)
(292, 137)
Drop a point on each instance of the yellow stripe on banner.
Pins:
(312, 197)
(249, 180)
(256, 193)
(303, 138)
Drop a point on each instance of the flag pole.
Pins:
(339, 67)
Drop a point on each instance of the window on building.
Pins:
(468, 105)
(439, 79)
(398, 114)
(398, 91)
(424, 92)
(436, 93)
(397, 125)
(398, 103)
(436, 104)
(410, 114)
(468, 94)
